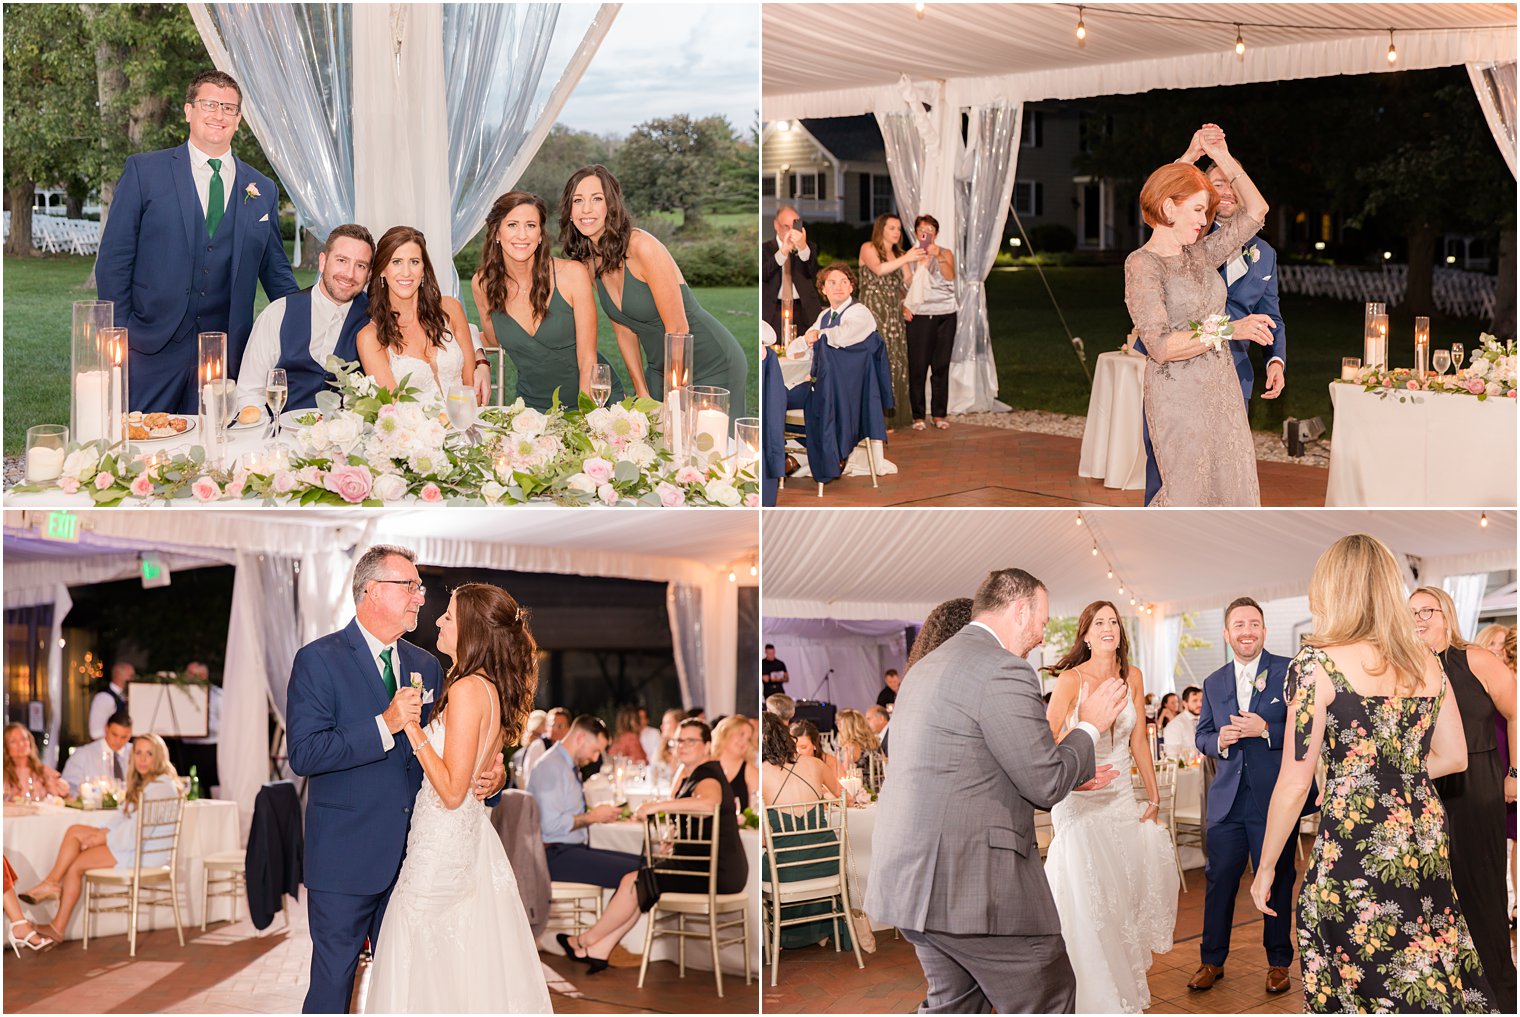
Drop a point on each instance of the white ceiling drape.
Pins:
(1494, 85)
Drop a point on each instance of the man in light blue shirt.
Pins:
(555, 782)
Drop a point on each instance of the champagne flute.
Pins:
(1458, 354)
(460, 406)
(1440, 360)
(276, 389)
(601, 383)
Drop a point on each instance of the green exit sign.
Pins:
(154, 572)
(62, 525)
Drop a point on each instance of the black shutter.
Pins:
(866, 195)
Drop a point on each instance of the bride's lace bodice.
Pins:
(1111, 749)
(448, 360)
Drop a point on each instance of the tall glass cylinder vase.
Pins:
(1374, 343)
(678, 350)
(90, 374)
(709, 423)
(1421, 347)
(746, 444)
(214, 391)
(675, 422)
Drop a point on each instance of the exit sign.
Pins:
(154, 572)
(61, 525)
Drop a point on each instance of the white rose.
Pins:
(80, 462)
(390, 487)
(344, 431)
(721, 492)
(599, 419)
(529, 422)
(1493, 388)
(640, 454)
(491, 491)
(582, 483)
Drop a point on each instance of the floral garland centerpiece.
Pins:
(1491, 375)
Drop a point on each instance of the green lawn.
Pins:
(39, 294)
(1038, 370)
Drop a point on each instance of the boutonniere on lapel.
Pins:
(1251, 254)
(427, 694)
(250, 192)
(1260, 684)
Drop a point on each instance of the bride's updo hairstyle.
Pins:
(1357, 595)
(493, 261)
(1080, 652)
(429, 297)
(1175, 180)
(493, 640)
(616, 231)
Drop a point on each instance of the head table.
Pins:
(32, 842)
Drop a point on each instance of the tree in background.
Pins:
(675, 164)
(564, 151)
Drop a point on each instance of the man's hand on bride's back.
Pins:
(1102, 777)
(491, 780)
(1102, 706)
(405, 708)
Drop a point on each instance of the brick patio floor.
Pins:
(970, 465)
(228, 969)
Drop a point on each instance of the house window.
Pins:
(810, 186)
(1033, 135)
(767, 186)
(881, 194)
(1029, 197)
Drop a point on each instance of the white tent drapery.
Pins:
(1467, 593)
(838, 661)
(1495, 88)
(391, 114)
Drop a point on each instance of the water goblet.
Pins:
(1440, 360)
(460, 406)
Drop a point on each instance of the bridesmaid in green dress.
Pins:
(885, 271)
(538, 308)
(642, 290)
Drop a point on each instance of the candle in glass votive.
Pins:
(710, 432)
(1351, 368)
(90, 391)
(1421, 347)
(43, 463)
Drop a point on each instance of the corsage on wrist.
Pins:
(1214, 331)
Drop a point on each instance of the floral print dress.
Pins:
(1379, 926)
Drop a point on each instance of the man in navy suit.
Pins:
(299, 332)
(350, 694)
(1251, 288)
(1246, 741)
(190, 232)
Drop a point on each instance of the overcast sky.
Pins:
(661, 59)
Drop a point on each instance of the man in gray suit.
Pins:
(955, 866)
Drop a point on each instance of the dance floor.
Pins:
(227, 969)
(972, 465)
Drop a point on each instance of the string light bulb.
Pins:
(1079, 519)
(754, 570)
(1132, 602)
(1110, 573)
(918, 10)
(1240, 44)
(1393, 51)
(1483, 520)
(1121, 589)
(1095, 550)
(1081, 30)
(731, 577)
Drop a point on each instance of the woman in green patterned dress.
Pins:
(643, 292)
(1380, 928)
(539, 309)
(885, 270)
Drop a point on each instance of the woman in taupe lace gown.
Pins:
(1197, 419)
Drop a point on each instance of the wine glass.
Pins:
(276, 389)
(1458, 353)
(1440, 360)
(601, 383)
(460, 406)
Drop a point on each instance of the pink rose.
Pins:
(234, 488)
(598, 469)
(311, 476)
(1474, 385)
(1388, 382)
(608, 494)
(430, 493)
(688, 475)
(103, 480)
(284, 482)
(68, 485)
(670, 495)
(751, 501)
(351, 483)
(205, 489)
(142, 485)
(1512, 393)
(1412, 385)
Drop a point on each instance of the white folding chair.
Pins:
(114, 890)
(225, 874)
(805, 836)
(574, 907)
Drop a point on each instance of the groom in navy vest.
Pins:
(190, 232)
(299, 332)
(350, 694)
(1241, 726)
(1250, 288)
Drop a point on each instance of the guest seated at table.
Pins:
(789, 779)
(878, 720)
(845, 321)
(558, 726)
(1181, 730)
(25, 774)
(625, 741)
(649, 737)
(23, 931)
(113, 846)
(1170, 707)
(670, 722)
(943, 622)
(703, 790)
(533, 731)
(555, 783)
(733, 746)
(782, 705)
(108, 756)
(810, 743)
(859, 747)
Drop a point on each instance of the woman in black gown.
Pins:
(1475, 798)
(703, 787)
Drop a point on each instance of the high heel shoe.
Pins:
(593, 964)
(45, 945)
(33, 897)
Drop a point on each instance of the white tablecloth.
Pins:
(860, 828)
(795, 371)
(1435, 448)
(1113, 448)
(31, 845)
(629, 837)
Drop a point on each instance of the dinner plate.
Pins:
(177, 436)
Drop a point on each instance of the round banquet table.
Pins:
(209, 827)
(1435, 448)
(628, 837)
(1113, 446)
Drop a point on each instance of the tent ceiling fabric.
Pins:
(899, 563)
(1027, 52)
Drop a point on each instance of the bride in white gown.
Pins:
(456, 938)
(1110, 866)
(426, 336)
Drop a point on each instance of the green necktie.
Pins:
(216, 200)
(388, 673)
